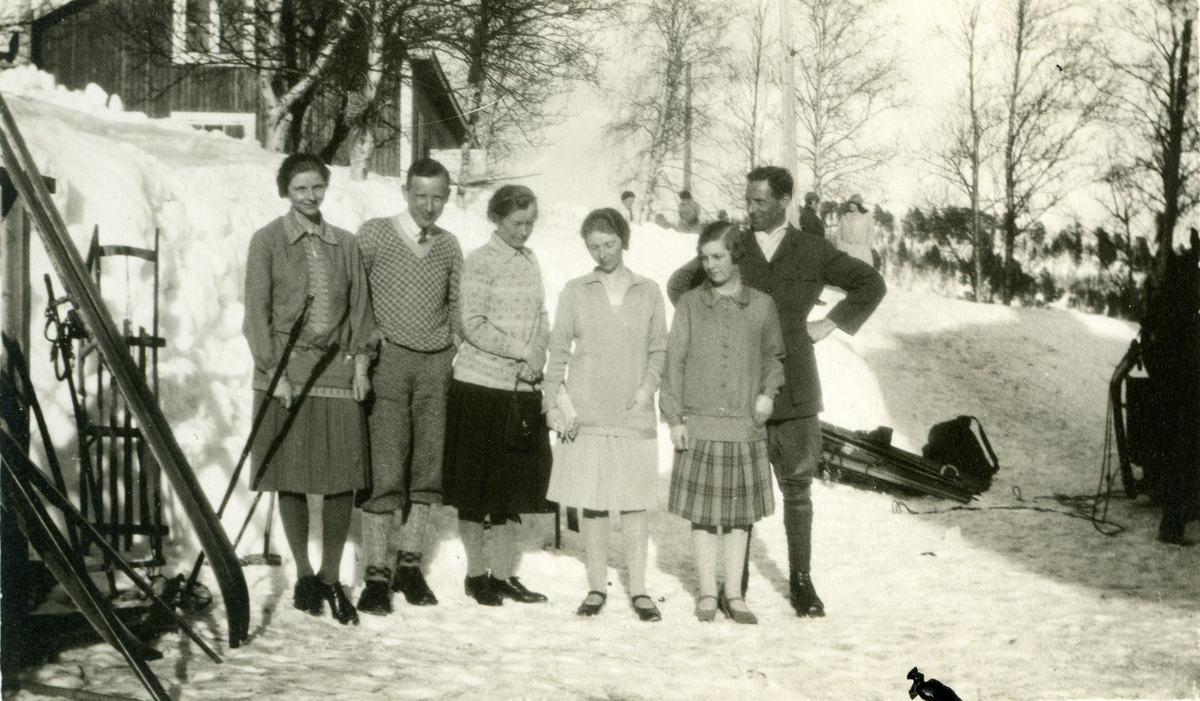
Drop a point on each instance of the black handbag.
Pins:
(522, 424)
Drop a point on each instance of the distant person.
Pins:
(722, 215)
(689, 213)
(723, 371)
(414, 267)
(856, 230)
(810, 219)
(793, 269)
(627, 200)
(609, 345)
(497, 463)
(314, 435)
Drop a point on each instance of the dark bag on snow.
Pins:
(954, 443)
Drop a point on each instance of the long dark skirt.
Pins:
(322, 451)
(480, 475)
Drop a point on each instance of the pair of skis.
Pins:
(856, 453)
(68, 264)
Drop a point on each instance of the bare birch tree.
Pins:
(677, 34)
(1049, 97)
(517, 56)
(1156, 71)
(847, 76)
(289, 45)
(748, 104)
(962, 156)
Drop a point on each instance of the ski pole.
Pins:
(258, 419)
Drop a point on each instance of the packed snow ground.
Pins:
(999, 604)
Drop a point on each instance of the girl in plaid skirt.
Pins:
(724, 368)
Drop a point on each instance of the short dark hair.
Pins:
(628, 194)
(426, 168)
(296, 164)
(811, 197)
(608, 221)
(778, 178)
(685, 194)
(723, 231)
(509, 199)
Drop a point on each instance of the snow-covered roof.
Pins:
(23, 11)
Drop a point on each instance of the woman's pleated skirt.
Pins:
(320, 449)
(481, 475)
(720, 483)
(605, 473)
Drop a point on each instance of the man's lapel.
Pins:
(752, 246)
(789, 246)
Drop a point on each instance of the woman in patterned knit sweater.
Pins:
(610, 331)
(724, 368)
(313, 436)
(487, 475)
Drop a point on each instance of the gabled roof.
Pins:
(427, 72)
(17, 12)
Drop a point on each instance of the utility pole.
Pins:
(687, 126)
(789, 93)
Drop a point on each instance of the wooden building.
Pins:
(158, 55)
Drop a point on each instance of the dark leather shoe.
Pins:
(648, 614)
(586, 609)
(309, 595)
(411, 582)
(339, 604)
(739, 615)
(804, 596)
(512, 588)
(376, 598)
(481, 590)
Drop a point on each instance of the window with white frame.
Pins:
(208, 30)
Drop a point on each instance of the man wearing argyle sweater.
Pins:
(413, 268)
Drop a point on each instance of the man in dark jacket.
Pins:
(810, 220)
(793, 267)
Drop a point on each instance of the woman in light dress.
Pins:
(608, 345)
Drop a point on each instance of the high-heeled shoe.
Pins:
(648, 614)
(745, 616)
(706, 615)
(586, 609)
(309, 595)
(339, 604)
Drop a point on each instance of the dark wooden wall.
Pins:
(124, 47)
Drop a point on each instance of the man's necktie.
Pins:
(423, 236)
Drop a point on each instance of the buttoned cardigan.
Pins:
(277, 281)
(795, 277)
(723, 352)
